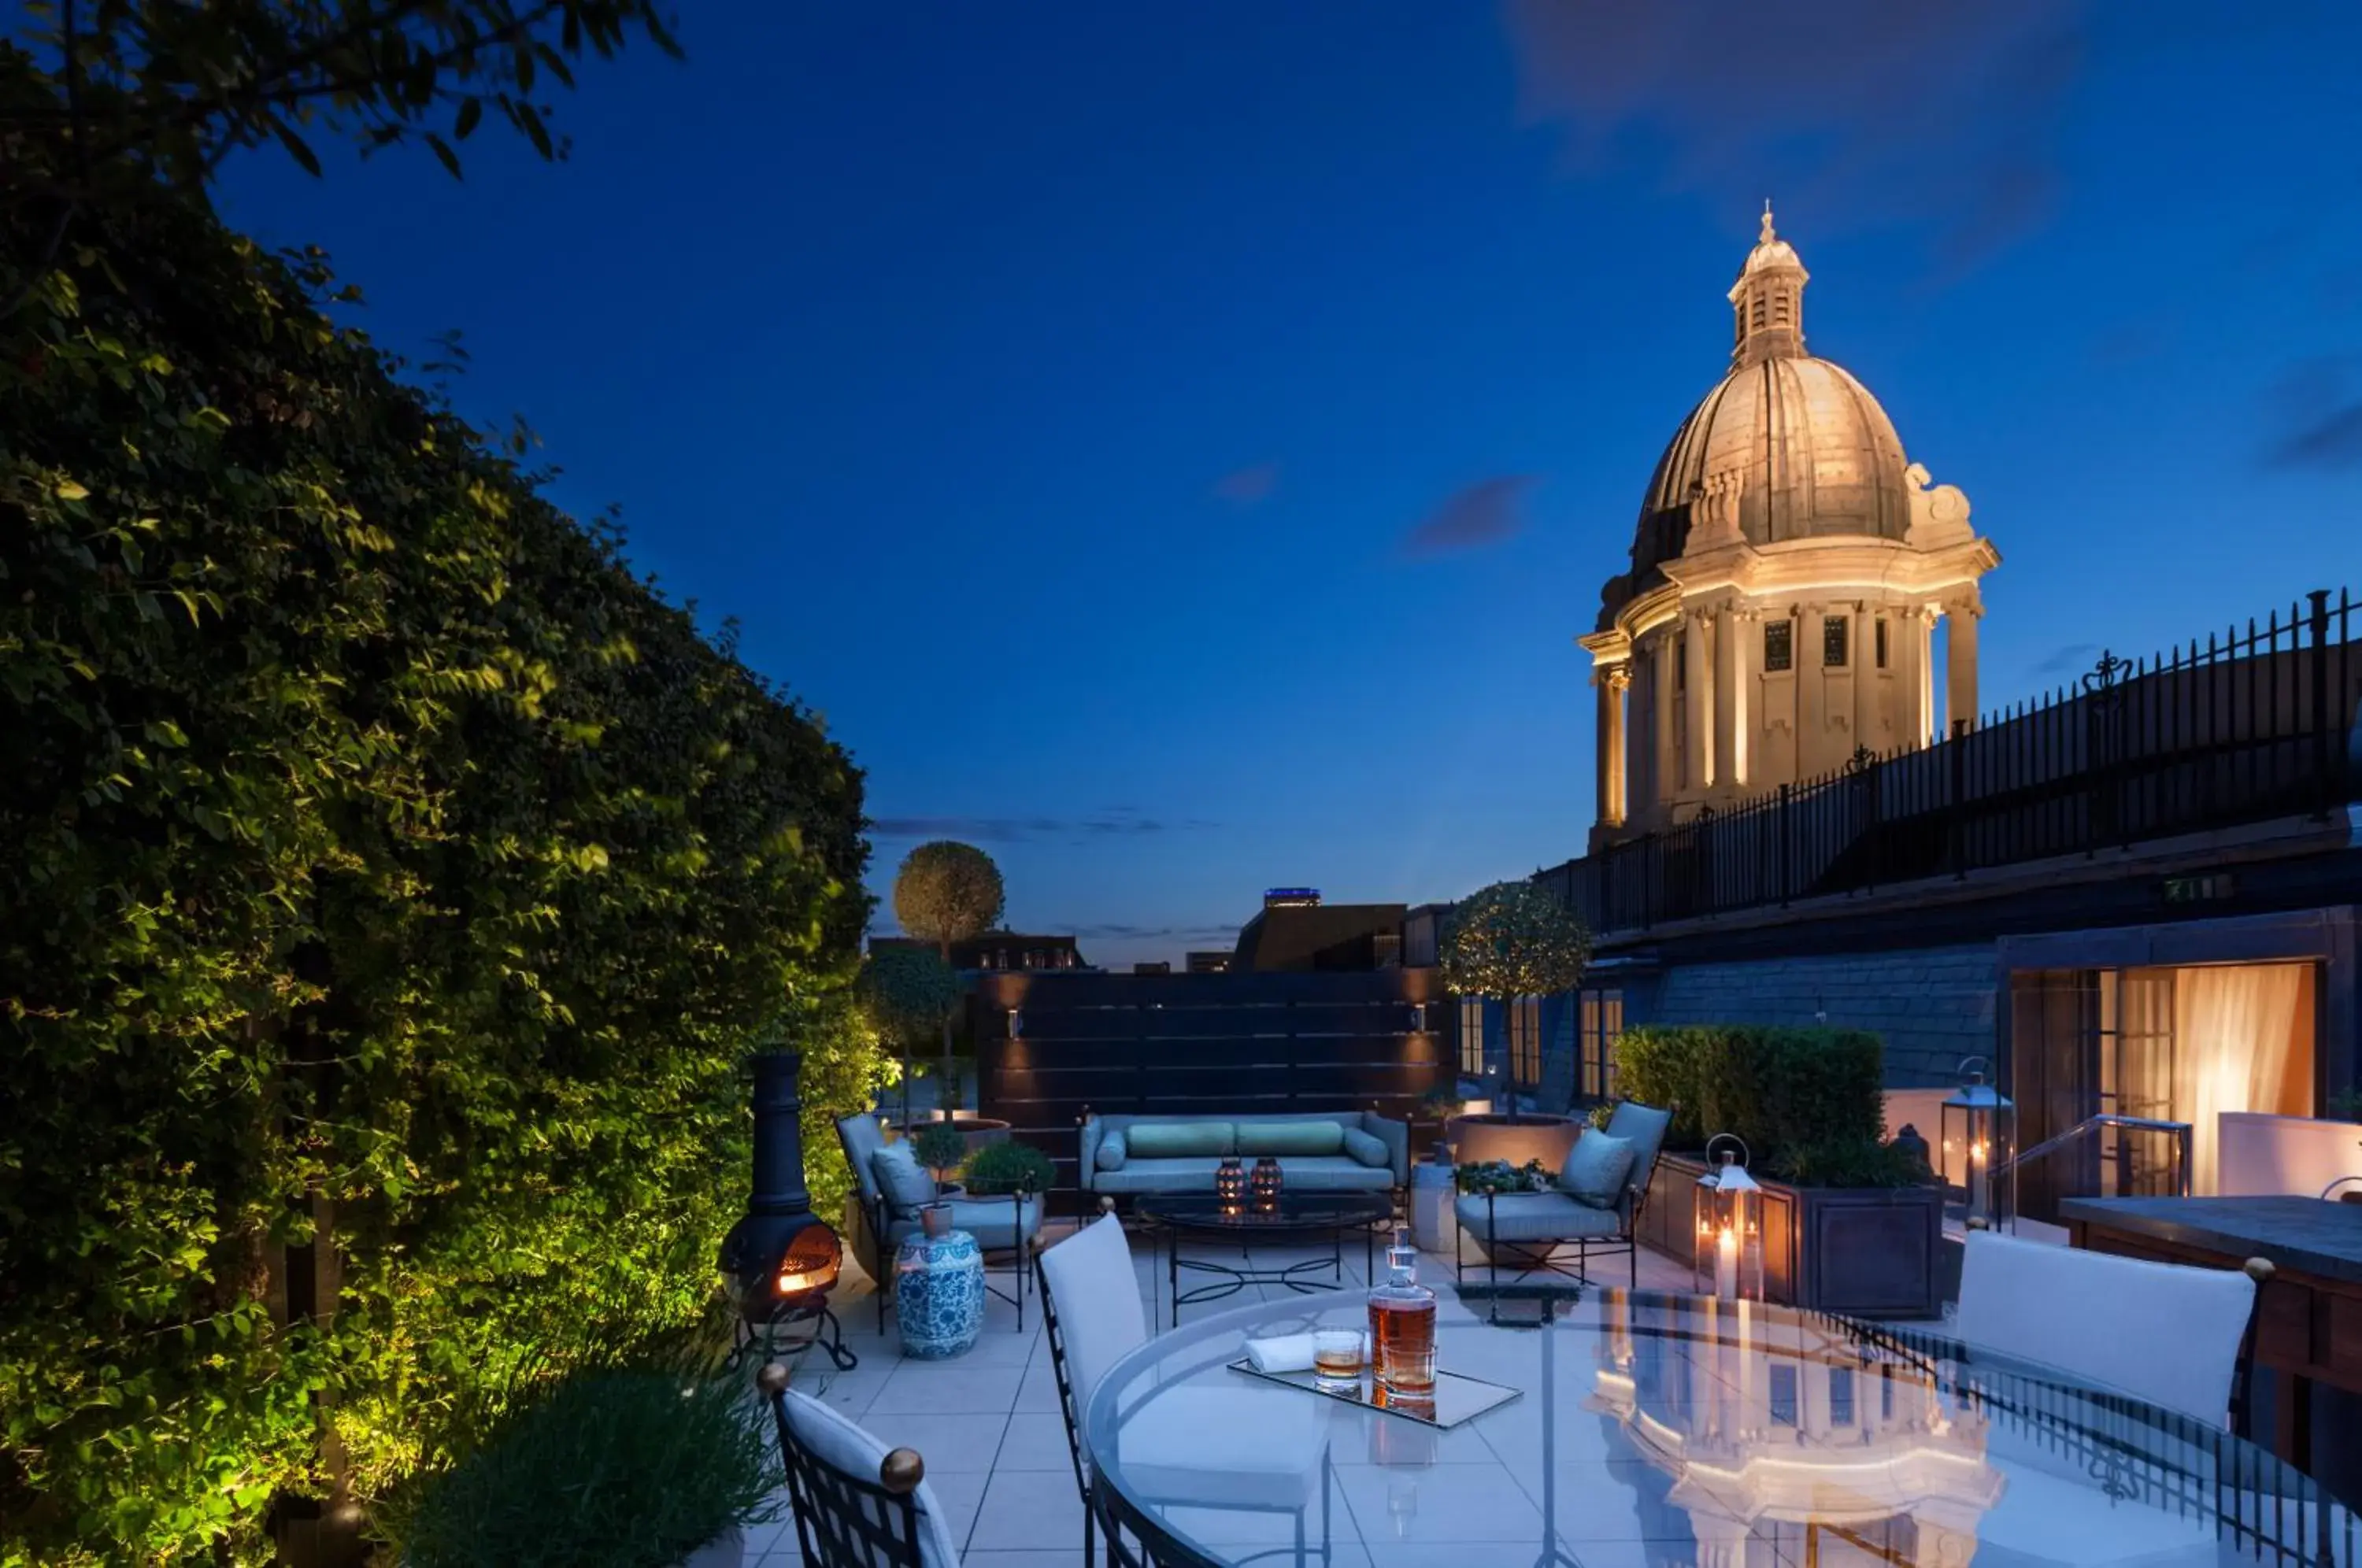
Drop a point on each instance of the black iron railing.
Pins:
(2254, 724)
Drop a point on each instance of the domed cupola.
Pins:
(1787, 569)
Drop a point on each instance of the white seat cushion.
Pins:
(2158, 1331)
(1096, 1297)
(1216, 1447)
(841, 1445)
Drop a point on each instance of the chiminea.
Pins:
(781, 1258)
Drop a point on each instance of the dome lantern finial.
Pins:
(1770, 299)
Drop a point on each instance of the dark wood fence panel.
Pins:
(1052, 1046)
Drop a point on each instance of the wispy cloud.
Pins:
(2073, 657)
(2315, 415)
(1112, 822)
(1248, 486)
(1484, 513)
(1948, 113)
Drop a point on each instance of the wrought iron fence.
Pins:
(2255, 722)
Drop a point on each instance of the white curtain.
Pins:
(2240, 1043)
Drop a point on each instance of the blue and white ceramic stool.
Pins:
(939, 1294)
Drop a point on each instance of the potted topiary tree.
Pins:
(1506, 943)
(910, 992)
(945, 892)
(618, 1468)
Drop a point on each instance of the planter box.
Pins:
(1863, 1252)
(1514, 1137)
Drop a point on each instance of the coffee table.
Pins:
(1297, 1218)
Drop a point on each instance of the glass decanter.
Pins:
(1402, 1325)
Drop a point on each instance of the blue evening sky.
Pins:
(1176, 446)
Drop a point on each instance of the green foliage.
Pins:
(615, 1469)
(1439, 1103)
(1006, 1167)
(1859, 1162)
(2345, 1105)
(142, 90)
(376, 850)
(1600, 1115)
(909, 991)
(1513, 939)
(939, 1146)
(1501, 1177)
(845, 1068)
(947, 892)
(1790, 1093)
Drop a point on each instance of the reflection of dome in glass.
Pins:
(1809, 450)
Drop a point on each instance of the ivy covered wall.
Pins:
(375, 849)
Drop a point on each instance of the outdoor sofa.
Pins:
(1317, 1151)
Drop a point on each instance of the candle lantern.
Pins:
(1979, 1135)
(1728, 1207)
(1231, 1186)
(1266, 1184)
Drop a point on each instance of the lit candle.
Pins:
(1726, 1265)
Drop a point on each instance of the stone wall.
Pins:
(1932, 1006)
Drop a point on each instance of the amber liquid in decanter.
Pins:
(1402, 1325)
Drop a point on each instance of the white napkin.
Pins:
(1289, 1353)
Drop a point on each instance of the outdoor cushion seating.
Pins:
(854, 1500)
(1004, 1227)
(1346, 1151)
(2172, 1335)
(1526, 1230)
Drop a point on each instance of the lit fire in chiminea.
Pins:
(780, 1257)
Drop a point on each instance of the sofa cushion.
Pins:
(1158, 1175)
(1290, 1138)
(1112, 1150)
(1596, 1169)
(1534, 1217)
(1177, 1140)
(1368, 1148)
(1334, 1172)
(904, 1185)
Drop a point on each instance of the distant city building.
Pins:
(1153, 966)
(1208, 963)
(1301, 932)
(1001, 950)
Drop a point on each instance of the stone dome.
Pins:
(1805, 445)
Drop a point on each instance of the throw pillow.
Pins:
(1177, 1140)
(1111, 1151)
(1303, 1138)
(1596, 1169)
(1367, 1148)
(903, 1184)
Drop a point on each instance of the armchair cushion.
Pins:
(1596, 1169)
(1368, 1148)
(858, 1136)
(904, 1185)
(1112, 1152)
(998, 1224)
(1535, 1217)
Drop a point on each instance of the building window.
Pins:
(1784, 1394)
(1602, 1025)
(1841, 1396)
(1680, 657)
(1887, 1398)
(1779, 645)
(1526, 1040)
(1832, 641)
(1882, 642)
(1472, 1037)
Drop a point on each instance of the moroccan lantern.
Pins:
(1231, 1186)
(1979, 1135)
(1728, 1208)
(1266, 1184)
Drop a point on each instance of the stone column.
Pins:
(1909, 683)
(1861, 658)
(1812, 695)
(1604, 761)
(1697, 704)
(1730, 711)
(1666, 649)
(1617, 678)
(1960, 666)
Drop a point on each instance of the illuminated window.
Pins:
(1601, 1026)
(1841, 1396)
(1784, 1394)
(1882, 642)
(1472, 1037)
(1832, 641)
(1779, 645)
(1526, 1040)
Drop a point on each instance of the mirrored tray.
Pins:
(1457, 1398)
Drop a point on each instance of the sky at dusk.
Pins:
(1175, 447)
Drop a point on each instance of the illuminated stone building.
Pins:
(1789, 573)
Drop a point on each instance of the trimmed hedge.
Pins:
(378, 852)
(1786, 1092)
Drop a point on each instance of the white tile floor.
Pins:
(987, 1424)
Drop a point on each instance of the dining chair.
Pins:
(2173, 1336)
(857, 1504)
(1247, 1450)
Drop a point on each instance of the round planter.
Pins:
(1515, 1138)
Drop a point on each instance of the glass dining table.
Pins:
(1643, 1429)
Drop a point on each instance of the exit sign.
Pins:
(2198, 889)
